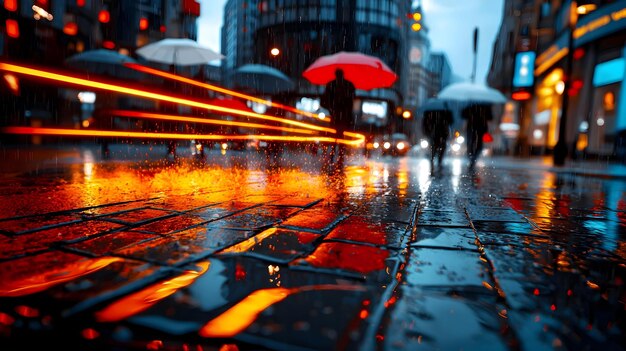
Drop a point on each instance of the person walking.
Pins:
(476, 116)
(436, 127)
(338, 98)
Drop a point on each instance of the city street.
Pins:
(249, 252)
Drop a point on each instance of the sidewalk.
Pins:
(382, 256)
(600, 169)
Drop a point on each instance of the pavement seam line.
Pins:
(369, 339)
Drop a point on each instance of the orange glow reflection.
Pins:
(240, 316)
(176, 136)
(249, 243)
(176, 77)
(358, 258)
(144, 299)
(43, 281)
(94, 84)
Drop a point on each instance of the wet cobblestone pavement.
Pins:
(381, 256)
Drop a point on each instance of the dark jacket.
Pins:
(338, 98)
(436, 124)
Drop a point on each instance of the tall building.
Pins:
(441, 71)
(240, 23)
(303, 31)
(56, 29)
(130, 24)
(517, 40)
(418, 60)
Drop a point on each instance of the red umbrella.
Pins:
(365, 72)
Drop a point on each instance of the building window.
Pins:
(545, 9)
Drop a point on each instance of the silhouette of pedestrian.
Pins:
(476, 116)
(436, 127)
(338, 98)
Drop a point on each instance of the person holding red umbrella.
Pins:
(338, 98)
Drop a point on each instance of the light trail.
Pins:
(67, 79)
(176, 136)
(164, 117)
(156, 72)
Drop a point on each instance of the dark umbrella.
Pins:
(104, 62)
(261, 79)
(434, 105)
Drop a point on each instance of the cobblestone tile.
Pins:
(35, 223)
(221, 210)
(170, 225)
(112, 242)
(470, 324)
(138, 217)
(441, 218)
(447, 269)
(198, 302)
(494, 214)
(105, 209)
(317, 219)
(373, 231)
(445, 238)
(256, 218)
(23, 244)
(74, 284)
(276, 244)
(355, 258)
(506, 227)
(186, 246)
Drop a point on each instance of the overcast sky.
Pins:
(450, 22)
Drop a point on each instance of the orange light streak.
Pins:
(239, 317)
(66, 79)
(127, 134)
(40, 282)
(142, 300)
(149, 115)
(250, 242)
(182, 79)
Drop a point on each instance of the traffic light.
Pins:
(416, 26)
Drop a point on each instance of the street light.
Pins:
(576, 7)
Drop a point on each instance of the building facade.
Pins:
(239, 26)
(439, 66)
(576, 56)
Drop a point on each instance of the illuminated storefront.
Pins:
(596, 118)
(545, 122)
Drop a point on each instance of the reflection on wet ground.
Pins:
(380, 255)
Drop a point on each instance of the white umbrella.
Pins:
(179, 52)
(471, 92)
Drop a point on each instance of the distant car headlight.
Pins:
(387, 145)
(456, 147)
(424, 143)
(401, 146)
(224, 146)
(376, 145)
